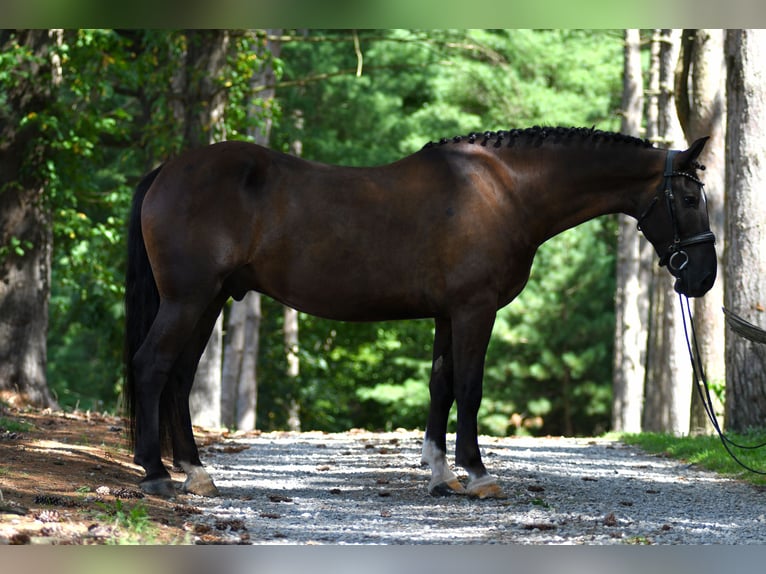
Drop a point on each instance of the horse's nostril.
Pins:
(698, 288)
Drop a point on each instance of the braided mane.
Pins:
(538, 134)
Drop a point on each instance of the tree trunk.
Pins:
(745, 263)
(669, 376)
(630, 295)
(240, 380)
(199, 107)
(293, 368)
(291, 322)
(701, 102)
(247, 388)
(25, 221)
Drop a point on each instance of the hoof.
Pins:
(163, 487)
(485, 487)
(200, 487)
(198, 481)
(447, 488)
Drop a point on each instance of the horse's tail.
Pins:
(142, 299)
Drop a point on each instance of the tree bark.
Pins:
(745, 263)
(669, 377)
(25, 221)
(199, 106)
(291, 322)
(293, 367)
(701, 103)
(247, 385)
(630, 294)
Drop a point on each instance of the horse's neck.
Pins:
(571, 186)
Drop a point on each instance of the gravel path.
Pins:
(369, 488)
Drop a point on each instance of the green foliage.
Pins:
(707, 451)
(13, 425)
(133, 518)
(89, 196)
(417, 86)
(113, 121)
(134, 524)
(246, 109)
(368, 375)
(550, 355)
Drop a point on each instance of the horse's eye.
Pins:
(691, 200)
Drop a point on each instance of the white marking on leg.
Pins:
(436, 458)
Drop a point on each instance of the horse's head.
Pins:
(676, 223)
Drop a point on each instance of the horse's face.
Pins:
(676, 222)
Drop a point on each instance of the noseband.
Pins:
(675, 257)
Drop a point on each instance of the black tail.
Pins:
(142, 300)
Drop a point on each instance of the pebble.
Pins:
(560, 491)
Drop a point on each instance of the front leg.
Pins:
(471, 330)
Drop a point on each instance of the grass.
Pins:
(707, 452)
(539, 502)
(12, 425)
(134, 521)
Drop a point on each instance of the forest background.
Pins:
(106, 106)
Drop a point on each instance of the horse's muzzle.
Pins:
(694, 288)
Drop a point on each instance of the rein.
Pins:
(703, 389)
(675, 257)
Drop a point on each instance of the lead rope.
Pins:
(703, 389)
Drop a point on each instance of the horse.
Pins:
(448, 232)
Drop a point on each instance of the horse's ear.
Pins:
(685, 158)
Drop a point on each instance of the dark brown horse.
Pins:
(448, 232)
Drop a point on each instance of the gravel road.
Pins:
(369, 488)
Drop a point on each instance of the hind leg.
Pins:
(443, 480)
(153, 364)
(185, 453)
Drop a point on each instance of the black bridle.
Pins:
(674, 256)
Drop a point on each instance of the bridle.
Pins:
(674, 256)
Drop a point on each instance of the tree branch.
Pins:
(344, 72)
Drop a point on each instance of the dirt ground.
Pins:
(68, 478)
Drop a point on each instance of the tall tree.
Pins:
(631, 294)
(28, 83)
(701, 103)
(291, 321)
(293, 368)
(239, 380)
(745, 264)
(198, 106)
(668, 374)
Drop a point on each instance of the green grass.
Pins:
(133, 521)
(707, 452)
(11, 425)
